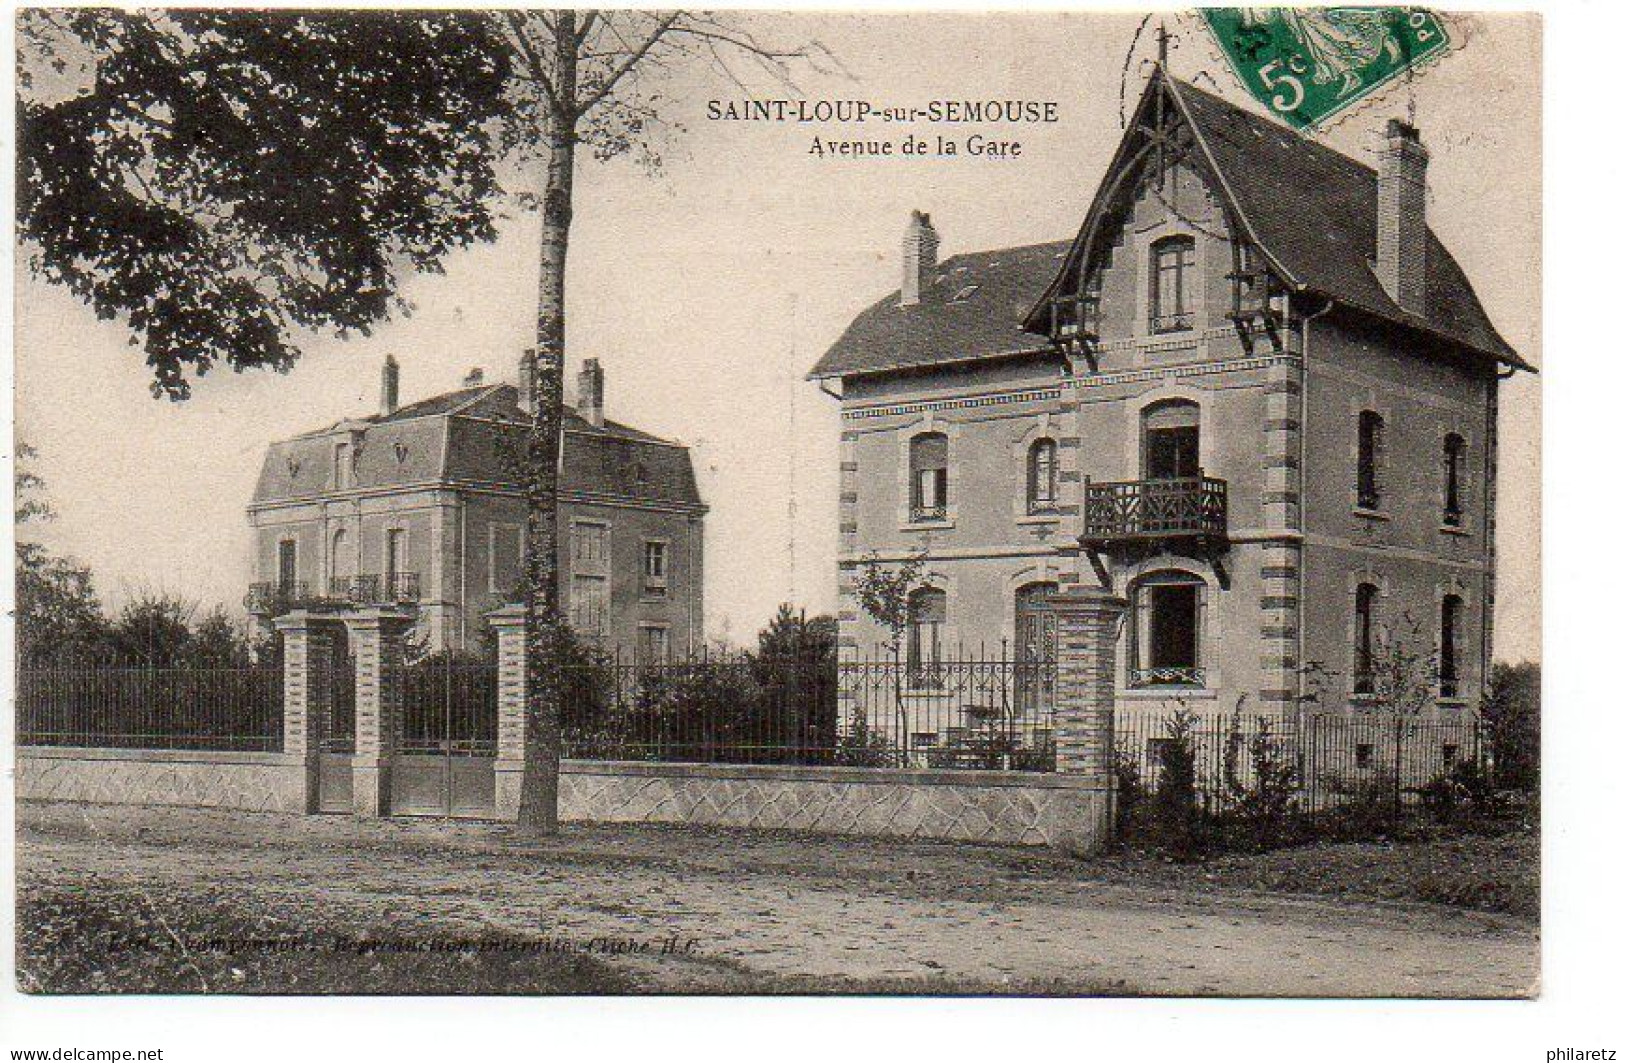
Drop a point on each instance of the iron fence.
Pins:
(1334, 759)
(449, 707)
(151, 708)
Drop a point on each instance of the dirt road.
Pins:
(756, 911)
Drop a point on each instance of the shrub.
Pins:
(1262, 802)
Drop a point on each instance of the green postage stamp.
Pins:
(1309, 63)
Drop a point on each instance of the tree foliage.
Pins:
(217, 179)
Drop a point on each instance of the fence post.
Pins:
(307, 653)
(378, 640)
(509, 624)
(1085, 699)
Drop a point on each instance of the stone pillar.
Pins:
(307, 653)
(509, 624)
(1087, 627)
(378, 641)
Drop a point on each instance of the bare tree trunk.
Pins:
(539, 785)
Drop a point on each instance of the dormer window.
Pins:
(342, 466)
(1173, 266)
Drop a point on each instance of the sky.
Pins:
(708, 289)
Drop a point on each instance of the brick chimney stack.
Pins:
(919, 257)
(389, 394)
(527, 382)
(590, 393)
(1402, 223)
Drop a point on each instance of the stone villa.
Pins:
(415, 506)
(1254, 396)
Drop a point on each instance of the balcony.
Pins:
(274, 599)
(1144, 511)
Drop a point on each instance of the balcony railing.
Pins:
(1188, 677)
(1137, 510)
(274, 599)
(919, 514)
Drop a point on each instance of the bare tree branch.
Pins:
(660, 30)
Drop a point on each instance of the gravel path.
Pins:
(774, 911)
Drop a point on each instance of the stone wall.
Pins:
(253, 782)
(1010, 808)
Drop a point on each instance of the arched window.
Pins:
(1173, 280)
(1449, 646)
(1455, 449)
(927, 613)
(1166, 650)
(1041, 476)
(1365, 638)
(928, 477)
(1368, 486)
(340, 563)
(1171, 440)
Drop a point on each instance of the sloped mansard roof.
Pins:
(467, 437)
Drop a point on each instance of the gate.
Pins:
(335, 778)
(445, 764)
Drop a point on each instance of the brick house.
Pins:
(415, 505)
(1254, 395)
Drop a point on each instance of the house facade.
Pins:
(1254, 395)
(417, 505)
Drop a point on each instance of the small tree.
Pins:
(885, 593)
(1175, 813)
(1511, 712)
(1264, 796)
(1403, 682)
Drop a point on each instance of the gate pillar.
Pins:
(378, 641)
(509, 625)
(1087, 622)
(307, 653)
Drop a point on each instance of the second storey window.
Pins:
(589, 547)
(1173, 275)
(1365, 646)
(654, 568)
(1454, 451)
(287, 564)
(1368, 478)
(1041, 476)
(928, 477)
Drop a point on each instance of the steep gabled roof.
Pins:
(1310, 210)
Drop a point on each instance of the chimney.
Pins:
(527, 382)
(919, 257)
(590, 393)
(475, 378)
(389, 395)
(1402, 224)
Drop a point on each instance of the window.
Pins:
(654, 568)
(589, 547)
(1449, 646)
(1365, 649)
(1173, 261)
(1448, 753)
(505, 553)
(928, 477)
(654, 644)
(340, 564)
(1041, 476)
(927, 613)
(1171, 440)
(589, 605)
(342, 466)
(1362, 755)
(1454, 450)
(1368, 488)
(287, 564)
(395, 564)
(1167, 643)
